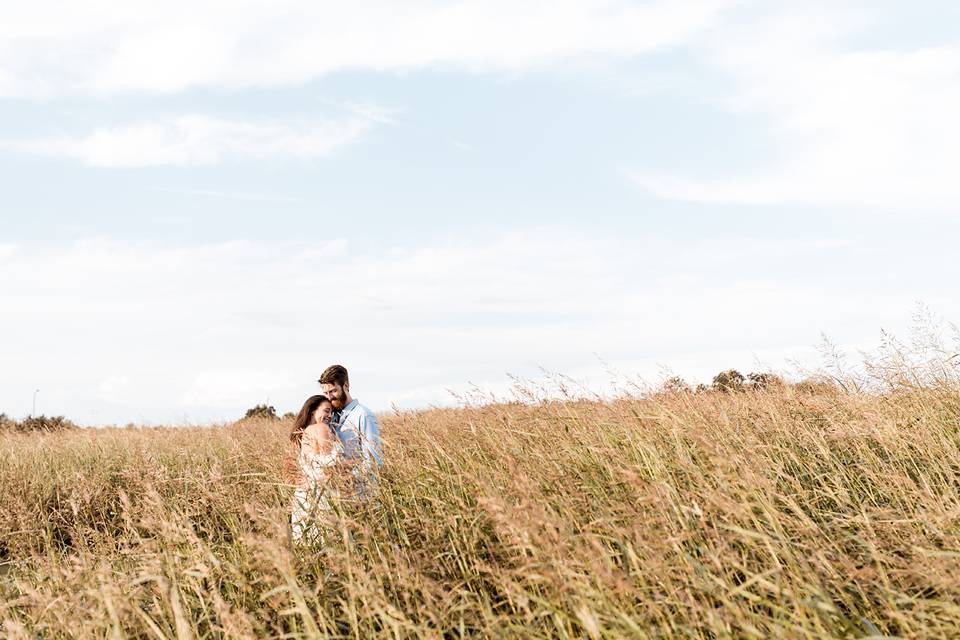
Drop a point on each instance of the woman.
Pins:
(318, 450)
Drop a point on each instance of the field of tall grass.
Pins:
(799, 512)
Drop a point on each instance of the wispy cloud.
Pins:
(235, 387)
(7, 250)
(212, 329)
(114, 389)
(375, 113)
(147, 46)
(232, 195)
(199, 140)
(854, 125)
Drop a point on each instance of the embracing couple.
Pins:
(336, 444)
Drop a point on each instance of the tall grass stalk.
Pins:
(776, 513)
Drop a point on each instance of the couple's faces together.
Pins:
(336, 394)
(324, 413)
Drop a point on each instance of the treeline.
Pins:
(729, 381)
(35, 423)
(266, 412)
(732, 381)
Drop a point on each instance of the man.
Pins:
(356, 426)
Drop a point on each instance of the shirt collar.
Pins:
(347, 409)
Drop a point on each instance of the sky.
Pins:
(204, 204)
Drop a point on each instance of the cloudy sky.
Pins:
(205, 203)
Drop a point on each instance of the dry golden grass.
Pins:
(760, 514)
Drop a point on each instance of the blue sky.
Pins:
(200, 213)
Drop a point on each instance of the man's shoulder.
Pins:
(364, 408)
(357, 414)
(364, 413)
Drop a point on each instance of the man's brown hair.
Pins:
(335, 374)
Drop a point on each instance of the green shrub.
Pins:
(729, 380)
(36, 423)
(262, 411)
(765, 381)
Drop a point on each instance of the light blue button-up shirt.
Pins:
(358, 431)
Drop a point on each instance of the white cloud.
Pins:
(235, 387)
(233, 195)
(7, 250)
(375, 113)
(114, 389)
(208, 331)
(55, 47)
(199, 140)
(855, 126)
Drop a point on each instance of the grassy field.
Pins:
(780, 513)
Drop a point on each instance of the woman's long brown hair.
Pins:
(305, 418)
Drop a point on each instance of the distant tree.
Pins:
(263, 412)
(7, 423)
(675, 384)
(702, 388)
(45, 423)
(289, 415)
(728, 381)
(765, 381)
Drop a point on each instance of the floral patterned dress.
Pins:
(311, 500)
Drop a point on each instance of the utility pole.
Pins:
(34, 413)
